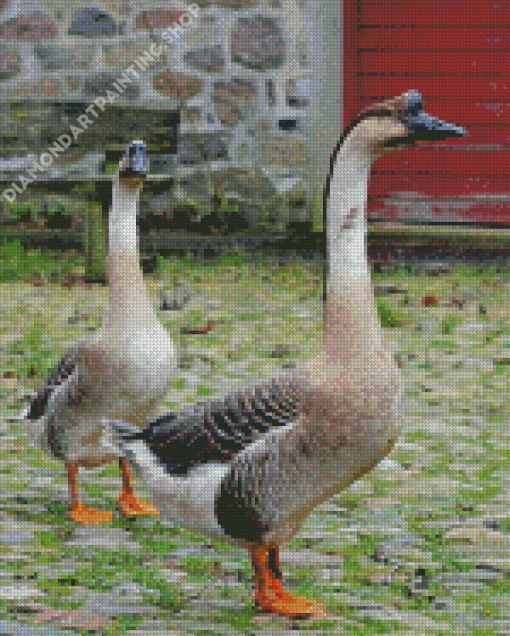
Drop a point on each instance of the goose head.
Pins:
(400, 122)
(133, 166)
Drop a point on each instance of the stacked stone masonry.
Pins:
(223, 106)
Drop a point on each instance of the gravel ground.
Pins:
(419, 546)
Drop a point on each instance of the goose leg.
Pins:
(79, 512)
(130, 505)
(269, 593)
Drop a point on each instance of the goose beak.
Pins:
(135, 161)
(425, 127)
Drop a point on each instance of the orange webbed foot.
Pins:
(269, 593)
(90, 516)
(131, 506)
(289, 605)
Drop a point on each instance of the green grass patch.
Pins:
(240, 619)
(251, 317)
(444, 344)
(205, 391)
(232, 259)
(158, 547)
(391, 318)
(418, 436)
(34, 355)
(16, 261)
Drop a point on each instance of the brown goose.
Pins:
(250, 467)
(122, 370)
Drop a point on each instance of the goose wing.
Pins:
(57, 376)
(216, 431)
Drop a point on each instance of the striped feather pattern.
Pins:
(56, 376)
(216, 431)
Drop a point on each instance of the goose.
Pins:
(249, 467)
(122, 370)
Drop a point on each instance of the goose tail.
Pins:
(129, 442)
(124, 432)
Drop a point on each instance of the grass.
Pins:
(450, 323)
(17, 262)
(462, 447)
(390, 318)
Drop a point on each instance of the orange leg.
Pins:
(269, 592)
(130, 505)
(79, 512)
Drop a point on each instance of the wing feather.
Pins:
(215, 431)
(57, 375)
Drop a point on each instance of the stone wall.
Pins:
(223, 108)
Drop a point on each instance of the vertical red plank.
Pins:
(351, 60)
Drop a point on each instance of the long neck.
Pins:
(129, 299)
(351, 324)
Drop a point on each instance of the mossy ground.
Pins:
(419, 546)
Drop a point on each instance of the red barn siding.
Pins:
(457, 54)
(433, 13)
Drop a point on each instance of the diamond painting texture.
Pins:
(231, 404)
